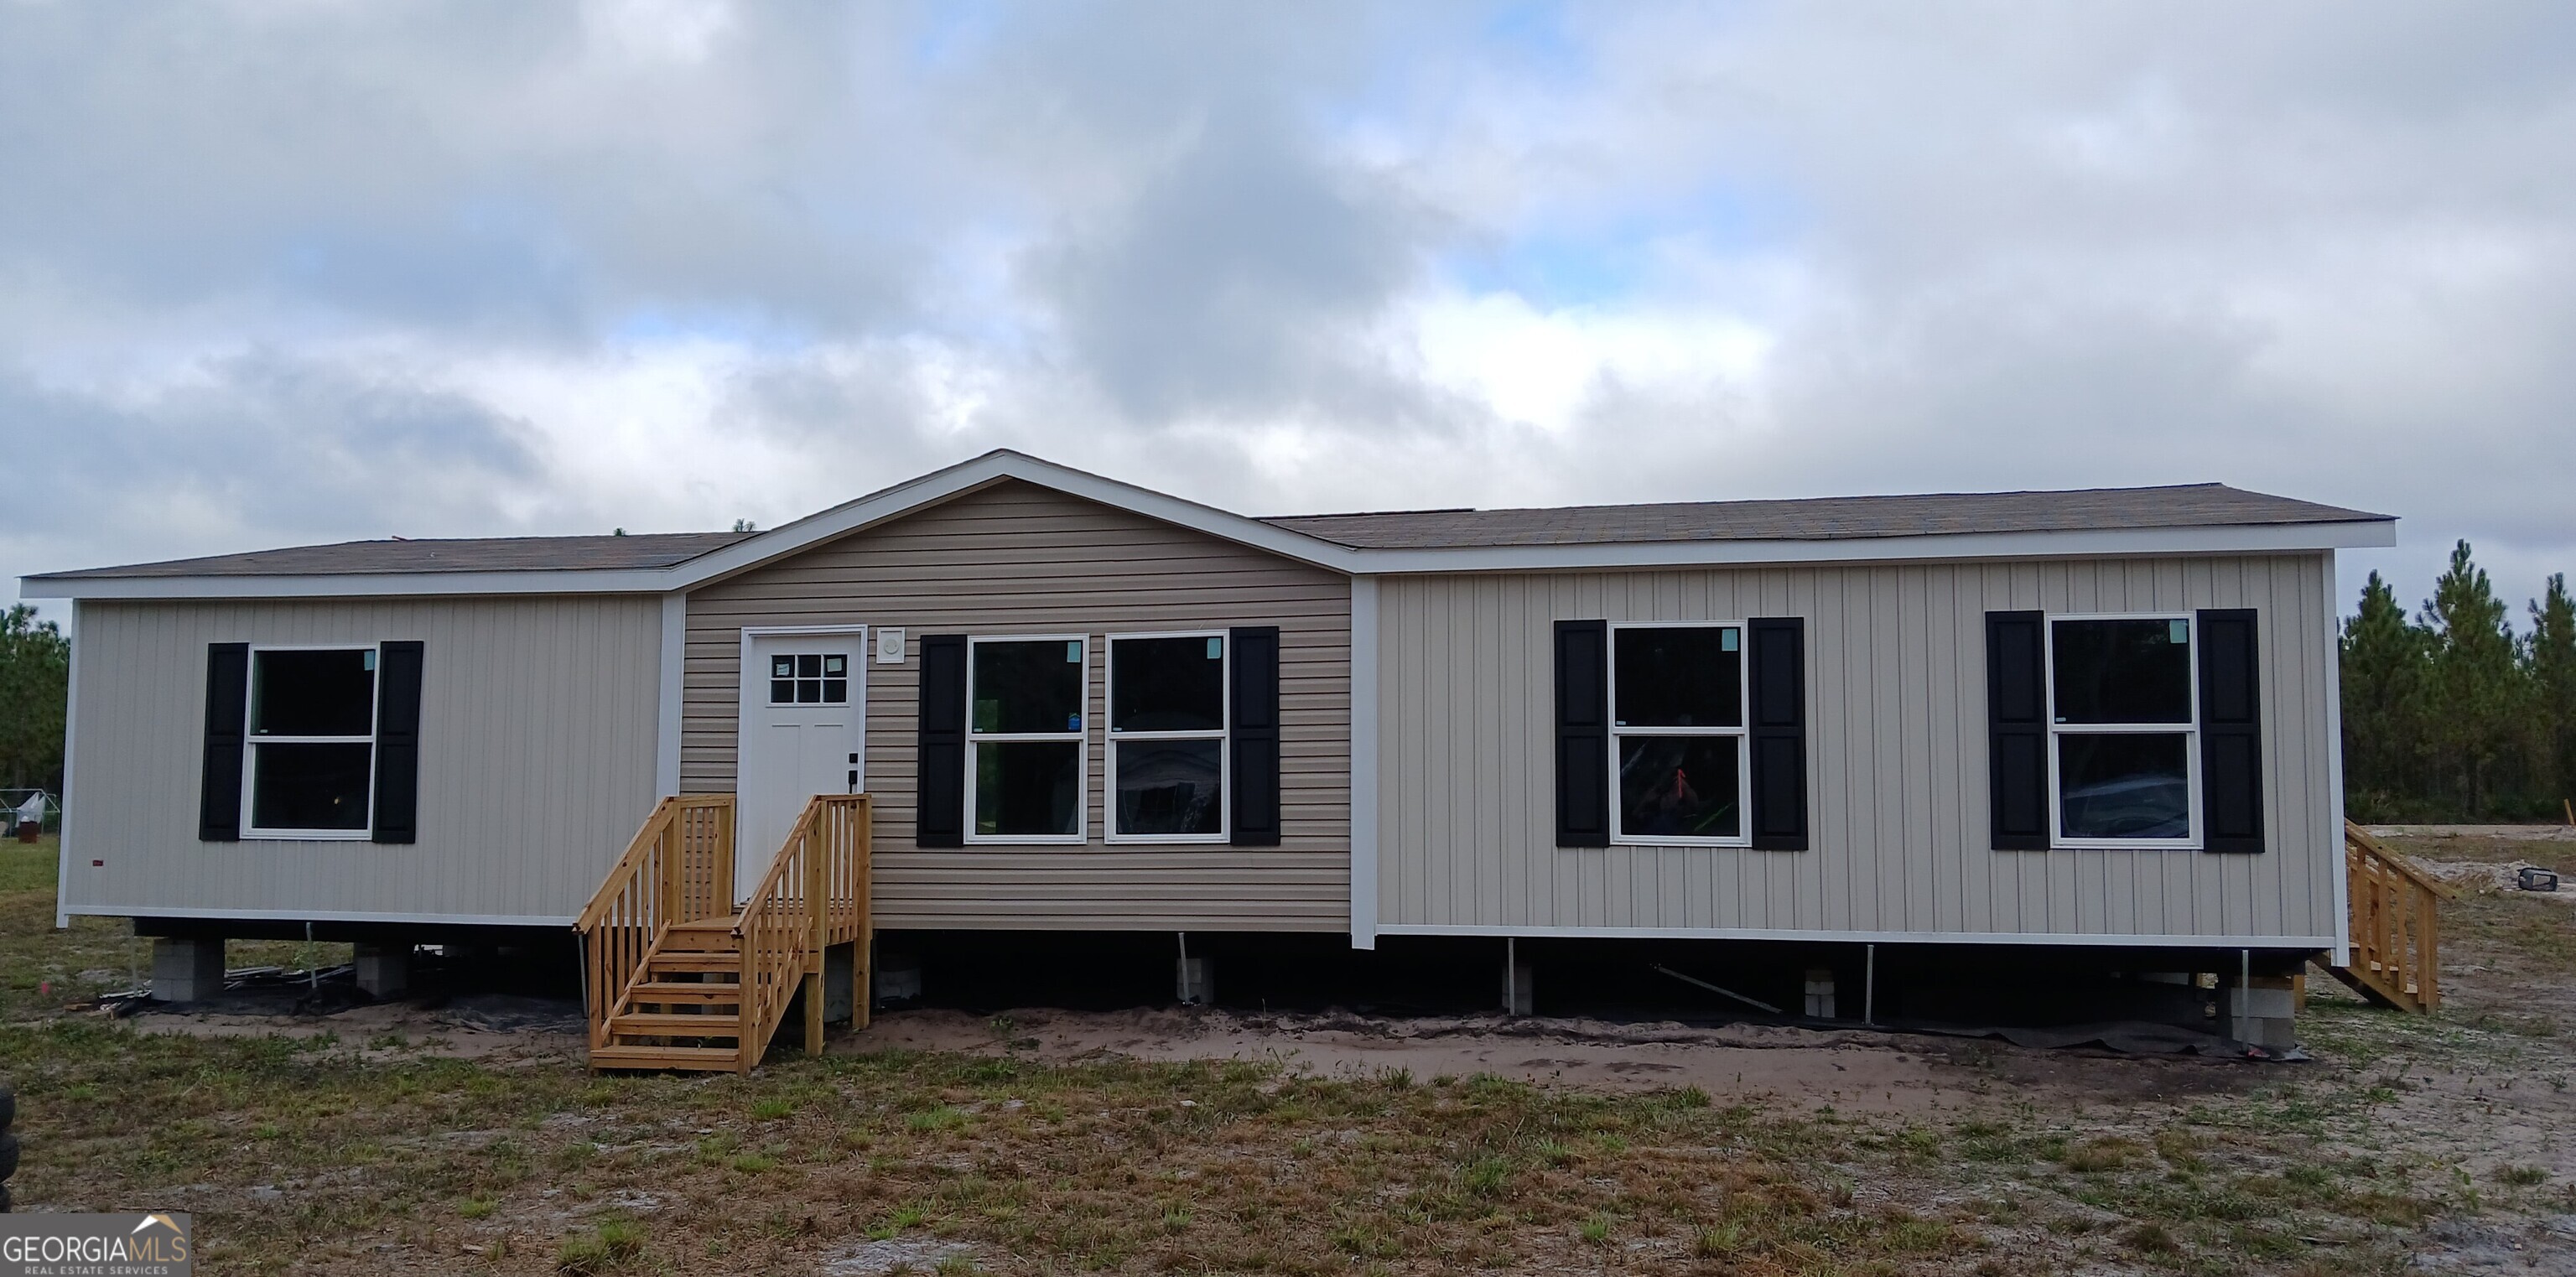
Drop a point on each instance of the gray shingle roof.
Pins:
(1822, 518)
(475, 554)
(1816, 519)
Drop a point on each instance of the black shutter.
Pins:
(2231, 733)
(2017, 730)
(219, 790)
(1582, 733)
(1779, 731)
(940, 788)
(397, 741)
(1252, 734)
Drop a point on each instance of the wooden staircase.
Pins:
(2396, 926)
(675, 977)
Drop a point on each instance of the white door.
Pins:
(803, 733)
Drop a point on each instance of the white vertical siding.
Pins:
(536, 759)
(1896, 748)
(1017, 558)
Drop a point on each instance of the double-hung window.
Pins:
(1167, 737)
(1677, 733)
(2124, 749)
(1024, 736)
(312, 742)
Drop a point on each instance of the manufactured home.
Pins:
(2083, 720)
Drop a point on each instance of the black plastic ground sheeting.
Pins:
(2128, 1037)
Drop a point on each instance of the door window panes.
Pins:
(809, 678)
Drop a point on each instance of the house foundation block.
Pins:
(384, 970)
(2265, 1013)
(187, 970)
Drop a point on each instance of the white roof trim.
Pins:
(996, 467)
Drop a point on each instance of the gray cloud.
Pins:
(273, 274)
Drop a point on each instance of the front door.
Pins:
(803, 727)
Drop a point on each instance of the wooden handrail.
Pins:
(679, 868)
(2396, 925)
(814, 896)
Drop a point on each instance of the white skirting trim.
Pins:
(1869, 937)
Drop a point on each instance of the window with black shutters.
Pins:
(1677, 733)
(1167, 737)
(2123, 722)
(1026, 754)
(311, 737)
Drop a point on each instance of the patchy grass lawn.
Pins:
(317, 1154)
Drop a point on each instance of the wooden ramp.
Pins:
(675, 977)
(2396, 926)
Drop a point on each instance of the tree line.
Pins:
(2450, 714)
(35, 686)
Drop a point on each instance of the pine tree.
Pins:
(2552, 658)
(2383, 678)
(2474, 687)
(35, 684)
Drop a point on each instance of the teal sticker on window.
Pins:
(1073, 652)
(1216, 649)
(1727, 639)
(2178, 631)
(368, 661)
(1073, 722)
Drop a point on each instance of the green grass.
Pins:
(1116, 1165)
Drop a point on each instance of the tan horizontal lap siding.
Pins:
(1896, 748)
(1020, 559)
(536, 757)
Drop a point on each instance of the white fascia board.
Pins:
(2126, 542)
(350, 585)
(993, 468)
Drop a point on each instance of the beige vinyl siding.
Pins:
(536, 759)
(1897, 756)
(1020, 559)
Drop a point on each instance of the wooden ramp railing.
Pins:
(678, 979)
(678, 869)
(2396, 926)
(814, 896)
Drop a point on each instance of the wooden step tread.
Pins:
(723, 925)
(682, 960)
(670, 1024)
(716, 1058)
(657, 991)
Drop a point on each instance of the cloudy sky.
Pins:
(307, 270)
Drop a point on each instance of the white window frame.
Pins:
(251, 742)
(2189, 731)
(1742, 732)
(1081, 738)
(1223, 735)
